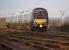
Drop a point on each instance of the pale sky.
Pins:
(8, 7)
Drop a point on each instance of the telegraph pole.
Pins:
(62, 16)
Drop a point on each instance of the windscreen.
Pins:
(40, 14)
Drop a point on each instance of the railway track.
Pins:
(40, 41)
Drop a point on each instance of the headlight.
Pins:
(41, 26)
(34, 21)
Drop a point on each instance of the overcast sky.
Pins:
(8, 7)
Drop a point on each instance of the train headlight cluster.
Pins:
(34, 21)
(40, 26)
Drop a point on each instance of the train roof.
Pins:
(39, 9)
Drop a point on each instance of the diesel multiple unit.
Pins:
(39, 19)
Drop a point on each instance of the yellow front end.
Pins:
(40, 22)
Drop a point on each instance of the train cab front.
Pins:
(39, 19)
(40, 24)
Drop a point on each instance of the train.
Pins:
(39, 19)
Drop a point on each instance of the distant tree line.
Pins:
(61, 28)
(64, 28)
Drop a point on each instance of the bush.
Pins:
(64, 28)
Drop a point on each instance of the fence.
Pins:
(22, 22)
